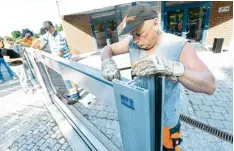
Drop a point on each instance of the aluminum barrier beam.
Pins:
(139, 102)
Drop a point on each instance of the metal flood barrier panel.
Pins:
(139, 102)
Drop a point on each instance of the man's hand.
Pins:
(109, 70)
(157, 65)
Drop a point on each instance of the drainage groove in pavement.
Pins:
(211, 130)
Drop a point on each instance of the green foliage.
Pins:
(36, 35)
(15, 34)
(8, 38)
(59, 28)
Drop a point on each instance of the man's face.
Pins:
(9, 44)
(145, 36)
(49, 30)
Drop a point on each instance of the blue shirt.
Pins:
(57, 43)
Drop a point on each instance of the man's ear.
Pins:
(156, 21)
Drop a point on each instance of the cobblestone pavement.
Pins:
(197, 140)
(215, 110)
(25, 123)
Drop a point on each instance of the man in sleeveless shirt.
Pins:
(153, 52)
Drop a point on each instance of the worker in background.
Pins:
(59, 47)
(153, 52)
(42, 44)
(2, 61)
(27, 40)
(16, 64)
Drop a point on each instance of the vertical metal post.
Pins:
(163, 18)
(106, 32)
(207, 20)
(156, 86)
(185, 22)
(159, 99)
(147, 107)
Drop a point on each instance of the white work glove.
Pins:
(155, 65)
(110, 70)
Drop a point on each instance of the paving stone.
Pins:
(196, 107)
(228, 125)
(61, 141)
(205, 108)
(56, 147)
(110, 131)
(46, 136)
(219, 109)
(208, 102)
(22, 143)
(30, 146)
(221, 104)
(203, 120)
(228, 117)
(102, 114)
(101, 107)
(112, 116)
(217, 116)
(30, 140)
(229, 110)
(59, 136)
(222, 98)
(115, 124)
(53, 135)
(93, 112)
(55, 128)
(15, 148)
(51, 132)
(22, 147)
(215, 123)
(21, 138)
(109, 109)
(37, 139)
(65, 145)
(68, 149)
(34, 148)
(44, 146)
(196, 102)
(202, 114)
(108, 123)
(40, 142)
(52, 143)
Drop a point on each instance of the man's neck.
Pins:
(153, 49)
(52, 33)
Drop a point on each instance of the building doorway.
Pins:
(104, 26)
(187, 19)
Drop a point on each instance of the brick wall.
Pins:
(78, 33)
(220, 23)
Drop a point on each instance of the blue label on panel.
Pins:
(127, 102)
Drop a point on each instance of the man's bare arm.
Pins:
(60, 53)
(197, 77)
(118, 48)
(8, 59)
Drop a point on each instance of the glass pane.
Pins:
(175, 22)
(112, 32)
(196, 22)
(100, 34)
